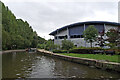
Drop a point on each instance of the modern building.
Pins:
(74, 32)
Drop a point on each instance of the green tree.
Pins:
(6, 40)
(113, 38)
(67, 45)
(90, 34)
(48, 45)
(17, 34)
(41, 46)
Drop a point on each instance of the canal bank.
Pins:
(9, 51)
(101, 64)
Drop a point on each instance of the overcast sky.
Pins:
(46, 16)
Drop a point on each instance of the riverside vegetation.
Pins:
(16, 33)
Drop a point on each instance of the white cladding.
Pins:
(108, 27)
(62, 33)
(77, 42)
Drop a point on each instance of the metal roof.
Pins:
(87, 22)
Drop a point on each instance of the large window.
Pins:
(77, 30)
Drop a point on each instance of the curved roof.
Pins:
(87, 22)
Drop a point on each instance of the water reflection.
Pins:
(35, 65)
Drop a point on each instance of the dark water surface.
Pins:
(35, 65)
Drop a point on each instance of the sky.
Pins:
(46, 16)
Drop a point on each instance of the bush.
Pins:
(41, 46)
(81, 51)
(115, 51)
(84, 50)
(67, 44)
(89, 48)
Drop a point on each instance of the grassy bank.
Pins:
(114, 58)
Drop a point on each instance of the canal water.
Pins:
(36, 65)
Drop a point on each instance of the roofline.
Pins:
(87, 22)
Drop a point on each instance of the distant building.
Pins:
(74, 32)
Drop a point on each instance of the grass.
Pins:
(113, 58)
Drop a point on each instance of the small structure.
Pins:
(31, 50)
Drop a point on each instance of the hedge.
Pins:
(90, 51)
(59, 51)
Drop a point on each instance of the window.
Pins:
(55, 37)
(76, 36)
(62, 37)
(75, 45)
(81, 36)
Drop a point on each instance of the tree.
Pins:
(17, 34)
(90, 34)
(113, 38)
(6, 40)
(101, 40)
(41, 46)
(67, 45)
(48, 45)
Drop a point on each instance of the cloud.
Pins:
(60, 0)
(102, 16)
(46, 17)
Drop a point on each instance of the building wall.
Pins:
(77, 41)
(58, 41)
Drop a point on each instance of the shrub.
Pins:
(83, 50)
(115, 51)
(79, 50)
(95, 48)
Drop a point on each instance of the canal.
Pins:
(36, 65)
